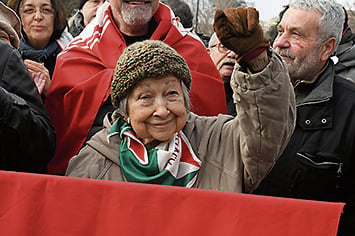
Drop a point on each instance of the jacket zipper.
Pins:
(339, 171)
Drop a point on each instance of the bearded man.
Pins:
(317, 163)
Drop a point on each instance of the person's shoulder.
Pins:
(345, 87)
(192, 38)
(107, 147)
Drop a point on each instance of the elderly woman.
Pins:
(153, 138)
(44, 36)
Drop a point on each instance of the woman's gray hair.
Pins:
(122, 107)
(332, 20)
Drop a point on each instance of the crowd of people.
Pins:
(128, 91)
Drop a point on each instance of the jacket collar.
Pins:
(323, 87)
(100, 143)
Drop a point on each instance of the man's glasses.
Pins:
(46, 11)
(220, 48)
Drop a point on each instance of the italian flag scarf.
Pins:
(170, 163)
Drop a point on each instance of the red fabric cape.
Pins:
(83, 73)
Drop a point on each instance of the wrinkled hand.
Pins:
(40, 75)
(239, 30)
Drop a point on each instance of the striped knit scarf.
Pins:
(170, 163)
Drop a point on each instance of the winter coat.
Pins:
(26, 131)
(318, 162)
(236, 152)
(81, 82)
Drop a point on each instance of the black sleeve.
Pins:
(27, 136)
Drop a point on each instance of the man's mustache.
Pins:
(285, 53)
(227, 61)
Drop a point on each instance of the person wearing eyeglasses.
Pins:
(26, 132)
(44, 36)
(84, 15)
(224, 59)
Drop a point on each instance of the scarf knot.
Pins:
(170, 163)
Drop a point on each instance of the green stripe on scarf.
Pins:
(135, 171)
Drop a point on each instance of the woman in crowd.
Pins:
(153, 138)
(44, 36)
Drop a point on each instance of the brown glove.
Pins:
(239, 30)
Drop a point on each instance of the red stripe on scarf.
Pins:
(186, 155)
(138, 149)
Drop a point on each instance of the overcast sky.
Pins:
(271, 8)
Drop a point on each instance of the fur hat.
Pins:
(146, 59)
(11, 24)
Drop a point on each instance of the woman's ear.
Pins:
(327, 48)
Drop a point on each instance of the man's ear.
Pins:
(327, 48)
(208, 50)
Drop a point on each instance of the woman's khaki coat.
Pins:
(235, 152)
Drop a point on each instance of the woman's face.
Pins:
(37, 17)
(156, 108)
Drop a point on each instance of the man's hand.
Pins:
(239, 30)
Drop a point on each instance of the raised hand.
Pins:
(239, 30)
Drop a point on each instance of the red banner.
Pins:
(45, 205)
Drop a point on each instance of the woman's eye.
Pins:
(173, 92)
(46, 10)
(29, 10)
(143, 97)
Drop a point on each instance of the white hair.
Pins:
(331, 21)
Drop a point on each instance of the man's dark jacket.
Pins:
(318, 162)
(27, 136)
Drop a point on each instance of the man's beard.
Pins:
(136, 16)
(301, 68)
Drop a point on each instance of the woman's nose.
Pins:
(38, 15)
(161, 109)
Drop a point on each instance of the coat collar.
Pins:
(323, 87)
